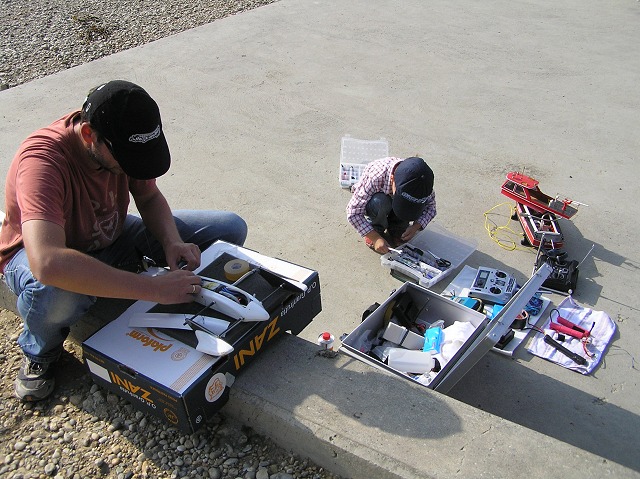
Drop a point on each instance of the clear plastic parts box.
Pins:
(355, 155)
(419, 265)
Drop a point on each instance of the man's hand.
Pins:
(411, 231)
(157, 217)
(178, 254)
(376, 242)
(176, 287)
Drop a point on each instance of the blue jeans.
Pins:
(380, 212)
(49, 312)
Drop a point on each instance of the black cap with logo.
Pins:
(414, 183)
(125, 114)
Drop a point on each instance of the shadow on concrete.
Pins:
(553, 408)
(545, 404)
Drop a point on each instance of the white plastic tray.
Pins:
(355, 155)
(442, 243)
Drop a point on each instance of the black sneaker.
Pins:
(35, 380)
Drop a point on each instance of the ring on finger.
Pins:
(193, 289)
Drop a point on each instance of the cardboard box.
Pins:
(429, 308)
(161, 372)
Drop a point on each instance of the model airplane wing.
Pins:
(176, 321)
(207, 343)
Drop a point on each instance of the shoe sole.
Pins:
(29, 395)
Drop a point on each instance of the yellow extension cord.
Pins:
(503, 235)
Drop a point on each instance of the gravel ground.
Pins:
(42, 37)
(83, 431)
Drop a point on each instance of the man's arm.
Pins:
(157, 217)
(54, 264)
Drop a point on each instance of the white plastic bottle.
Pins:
(410, 361)
(326, 340)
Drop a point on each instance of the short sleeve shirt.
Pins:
(50, 179)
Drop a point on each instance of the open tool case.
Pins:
(459, 287)
(431, 308)
(417, 264)
(160, 370)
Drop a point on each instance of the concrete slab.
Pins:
(254, 107)
(361, 422)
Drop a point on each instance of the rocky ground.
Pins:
(83, 431)
(42, 37)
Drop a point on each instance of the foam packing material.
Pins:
(403, 337)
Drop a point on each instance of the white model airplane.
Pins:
(230, 300)
(224, 297)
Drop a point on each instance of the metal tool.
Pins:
(416, 254)
(441, 262)
(567, 352)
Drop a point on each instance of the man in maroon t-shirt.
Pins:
(67, 237)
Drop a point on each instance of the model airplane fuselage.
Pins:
(230, 300)
(540, 227)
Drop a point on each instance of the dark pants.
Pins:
(382, 217)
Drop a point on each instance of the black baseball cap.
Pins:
(125, 114)
(414, 183)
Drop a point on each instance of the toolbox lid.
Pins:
(496, 328)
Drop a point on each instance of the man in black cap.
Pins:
(67, 237)
(393, 200)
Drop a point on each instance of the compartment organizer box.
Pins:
(355, 155)
(419, 266)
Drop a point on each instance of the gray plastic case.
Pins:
(434, 307)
